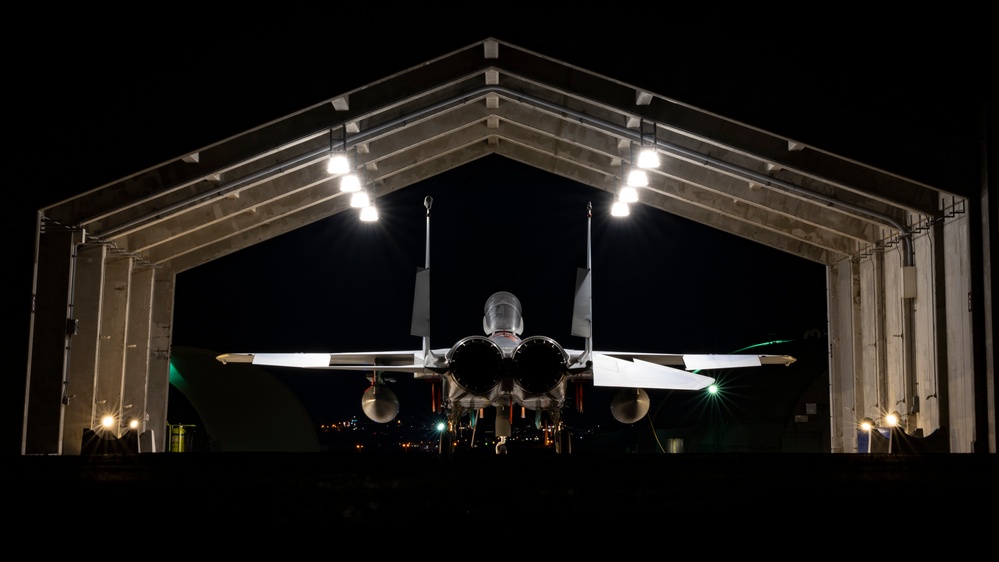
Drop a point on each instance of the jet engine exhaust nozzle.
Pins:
(476, 363)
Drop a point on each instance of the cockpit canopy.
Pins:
(503, 314)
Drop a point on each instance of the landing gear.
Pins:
(446, 446)
(563, 440)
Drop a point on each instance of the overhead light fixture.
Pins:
(338, 157)
(637, 178)
(627, 194)
(620, 209)
(893, 419)
(350, 183)
(648, 156)
(338, 164)
(369, 214)
(360, 199)
(867, 424)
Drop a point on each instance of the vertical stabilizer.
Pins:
(582, 304)
(421, 304)
(421, 295)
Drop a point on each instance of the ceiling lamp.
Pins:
(620, 209)
(360, 199)
(350, 183)
(627, 194)
(338, 158)
(637, 178)
(369, 214)
(648, 156)
(338, 163)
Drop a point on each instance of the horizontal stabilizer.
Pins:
(611, 371)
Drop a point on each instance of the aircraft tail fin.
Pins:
(421, 295)
(582, 305)
(421, 304)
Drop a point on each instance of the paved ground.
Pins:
(320, 490)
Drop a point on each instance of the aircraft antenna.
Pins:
(582, 304)
(589, 269)
(589, 219)
(427, 202)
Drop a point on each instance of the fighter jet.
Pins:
(503, 370)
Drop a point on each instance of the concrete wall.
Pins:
(901, 337)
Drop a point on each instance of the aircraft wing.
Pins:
(388, 361)
(660, 370)
(697, 362)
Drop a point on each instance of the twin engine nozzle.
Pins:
(536, 365)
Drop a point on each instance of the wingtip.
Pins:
(227, 358)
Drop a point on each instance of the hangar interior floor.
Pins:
(300, 490)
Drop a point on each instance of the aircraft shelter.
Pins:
(908, 264)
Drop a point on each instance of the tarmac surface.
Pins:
(298, 491)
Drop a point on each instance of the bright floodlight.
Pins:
(893, 419)
(338, 164)
(134, 424)
(369, 214)
(620, 209)
(648, 158)
(867, 424)
(627, 194)
(713, 389)
(107, 421)
(360, 199)
(350, 183)
(638, 178)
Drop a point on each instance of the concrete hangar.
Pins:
(908, 263)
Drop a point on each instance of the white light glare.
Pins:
(627, 194)
(350, 183)
(360, 199)
(638, 178)
(369, 213)
(620, 209)
(648, 158)
(338, 163)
